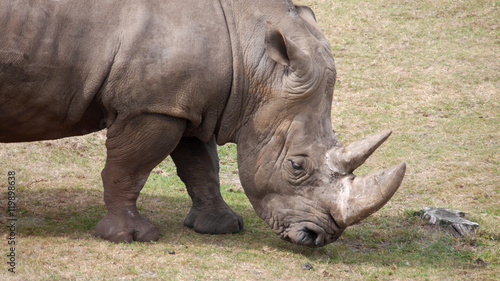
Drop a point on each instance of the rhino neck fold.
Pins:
(246, 21)
(227, 128)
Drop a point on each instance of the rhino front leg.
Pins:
(198, 167)
(134, 148)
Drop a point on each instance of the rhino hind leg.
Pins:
(134, 148)
(198, 167)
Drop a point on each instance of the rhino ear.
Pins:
(275, 45)
(283, 50)
(306, 13)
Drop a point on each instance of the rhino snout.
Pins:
(310, 234)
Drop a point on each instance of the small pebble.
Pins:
(481, 262)
(307, 266)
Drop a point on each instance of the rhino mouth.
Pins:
(310, 234)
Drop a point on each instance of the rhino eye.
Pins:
(296, 166)
(297, 170)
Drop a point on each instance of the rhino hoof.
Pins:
(120, 229)
(214, 221)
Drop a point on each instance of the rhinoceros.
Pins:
(178, 78)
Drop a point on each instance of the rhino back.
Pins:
(71, 67)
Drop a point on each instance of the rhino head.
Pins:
(297, 175)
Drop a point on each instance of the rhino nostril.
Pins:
(309, 234)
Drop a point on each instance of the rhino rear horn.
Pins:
(363, 196)
(352, 156)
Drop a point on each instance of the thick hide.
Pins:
(177, 78)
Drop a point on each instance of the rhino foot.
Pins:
(132, 227)
(214, 220)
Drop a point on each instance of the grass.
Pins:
(428, 70)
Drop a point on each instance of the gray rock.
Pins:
(451, 220)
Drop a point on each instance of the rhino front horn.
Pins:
(362, 196)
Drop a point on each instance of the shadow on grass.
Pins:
(74, 212)
(393, 241)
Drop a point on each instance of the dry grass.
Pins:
(428, 70)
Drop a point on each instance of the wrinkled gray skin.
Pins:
(177, 77)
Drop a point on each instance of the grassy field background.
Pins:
(428, 70)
